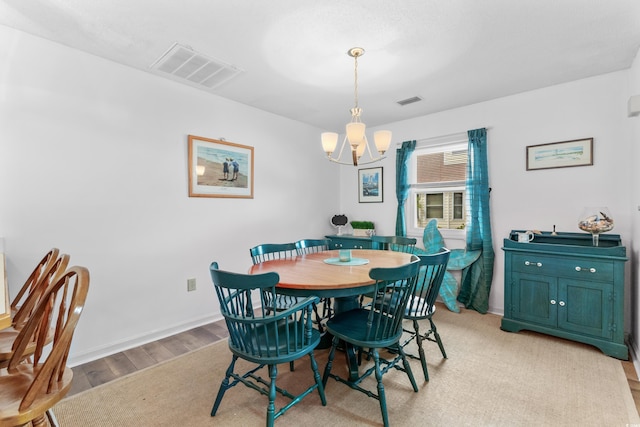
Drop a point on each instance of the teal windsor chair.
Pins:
(264, 337)
(271, 251)
(421, 305)
(309, 246)
(393, 243)
(379, 325)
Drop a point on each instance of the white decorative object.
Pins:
(595, 220)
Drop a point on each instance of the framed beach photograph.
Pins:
(219, 168)
(370, 185)
(578, 152)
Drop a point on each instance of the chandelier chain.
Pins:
(355, 70)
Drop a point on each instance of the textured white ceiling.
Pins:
(293, 52)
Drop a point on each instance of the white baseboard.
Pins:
(112, 348)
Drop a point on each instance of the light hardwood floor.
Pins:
(103, 370)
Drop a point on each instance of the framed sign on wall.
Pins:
(219, 168)
(370, 185)
(578, 152)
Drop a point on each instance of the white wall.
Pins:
(634, 201)
(93, 160)
(522, 199)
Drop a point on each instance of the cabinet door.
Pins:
(533, 298)
(585, 307)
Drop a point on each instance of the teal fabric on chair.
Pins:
(264, 337)
(375, 327)
(460, 259)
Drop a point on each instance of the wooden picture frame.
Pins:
(370, 185)
(219, 168)
(564, 154)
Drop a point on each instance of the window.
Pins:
(437, 175)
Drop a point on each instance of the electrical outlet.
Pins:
(191, 285)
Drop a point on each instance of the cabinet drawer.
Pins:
(575, 268)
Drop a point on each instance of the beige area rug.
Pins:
(491, 378)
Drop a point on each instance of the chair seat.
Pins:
(13, 388)
(412, 313)
(351, 326)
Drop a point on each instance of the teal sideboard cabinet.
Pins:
(564, 286)
(345, 241)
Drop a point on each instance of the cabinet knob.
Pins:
(591, 270)
(553, 302)
(537, 264)
(561, 304)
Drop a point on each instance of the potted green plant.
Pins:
(362, 228)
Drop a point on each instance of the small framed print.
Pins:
(578, 152)
(219, 168)
(370, 185)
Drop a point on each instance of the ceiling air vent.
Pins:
(185, 65)
(409, 100)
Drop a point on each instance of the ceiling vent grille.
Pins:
(183, 64)
(409, 100)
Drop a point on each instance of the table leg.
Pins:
(343, 304)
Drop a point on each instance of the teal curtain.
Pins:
(403, 154)
(476, 279)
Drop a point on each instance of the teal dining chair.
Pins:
(393, 243)
(459, 260)
(264, 337)
(271, 251)
(377, 326)
(421, 305)
(268, 252)
(310, 246)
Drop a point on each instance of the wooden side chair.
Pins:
(309, 246)
(421, 305)
(31, 285)
(26, 309)
(28, 390)
(394, 243)
(264, 337)
(375, 327)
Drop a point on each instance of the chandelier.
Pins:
(355, 132)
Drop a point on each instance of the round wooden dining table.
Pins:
(322, 274)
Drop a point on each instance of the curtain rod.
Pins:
(444, 139)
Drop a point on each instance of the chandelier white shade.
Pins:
(355, 137)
